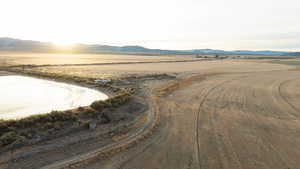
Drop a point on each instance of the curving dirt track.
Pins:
(229, 121)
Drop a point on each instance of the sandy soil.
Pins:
(230, 121)
(52, 59)
(246, 118)
(106, 71)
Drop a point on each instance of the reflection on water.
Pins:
(24, 96)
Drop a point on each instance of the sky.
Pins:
(164, 24)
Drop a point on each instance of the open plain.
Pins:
(13, 58)
(230, 121)
(243, 114)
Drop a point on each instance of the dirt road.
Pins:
(229, 121)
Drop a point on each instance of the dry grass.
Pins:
(183, 83)
(119, 137)
(107, 71)
(54, 59)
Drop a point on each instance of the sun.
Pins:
(62, 44)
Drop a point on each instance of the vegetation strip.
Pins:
(188, 81)
(102, 64)
(26, 131)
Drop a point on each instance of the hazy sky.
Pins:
(167, 24)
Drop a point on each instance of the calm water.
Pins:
(24, 96)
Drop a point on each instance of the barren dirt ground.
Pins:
(230, 121)
(202, 66)
(59, 59)
(246, 118)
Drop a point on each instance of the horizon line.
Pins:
(137, 45)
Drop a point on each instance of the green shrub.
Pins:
(4, 127)
(98, 105)
(9, 138)
(91, 112)
(111, 102)
(105, 117)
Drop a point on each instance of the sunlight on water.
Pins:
(24, 96)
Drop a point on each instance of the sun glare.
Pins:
(63, 44)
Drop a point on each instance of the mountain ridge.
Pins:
(11, 44)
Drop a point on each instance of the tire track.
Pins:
(159, 139)
(284, 98)
(235, 126)
(266, 142)
(223, 129)
(198, 118)
(77, 160)
(248, 114)
(240, 98)
(156, 141)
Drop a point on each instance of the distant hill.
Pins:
(10, 44)
(293, 54)
(237, 52)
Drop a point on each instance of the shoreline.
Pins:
(42, 101)
(77, 115)
(6, 73)
(138, 124)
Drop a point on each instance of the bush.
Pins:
(10, 137)
(91, 112)
(4, 127)
(105, 117)
(98, 105)
(112, 102)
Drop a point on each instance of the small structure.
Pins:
(103, 81)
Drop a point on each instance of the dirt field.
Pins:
(54, 59)
(248, 117)
(104, 71)
(230, 121)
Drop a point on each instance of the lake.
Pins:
(22, 96)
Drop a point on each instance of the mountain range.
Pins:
(17, 45)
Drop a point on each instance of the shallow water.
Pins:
(22, 96)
